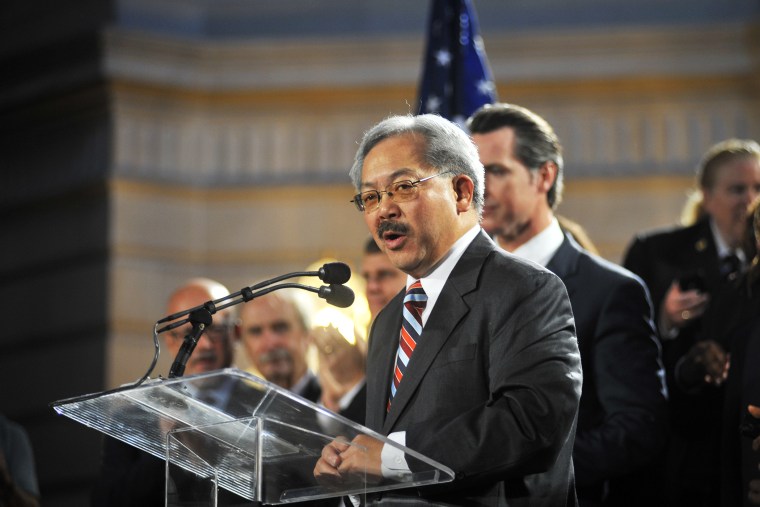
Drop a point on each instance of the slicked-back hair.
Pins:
(535, 140)
(721, 153)
(446, 148)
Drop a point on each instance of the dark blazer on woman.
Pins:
(692, 473)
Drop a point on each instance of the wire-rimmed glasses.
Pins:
(398, 191)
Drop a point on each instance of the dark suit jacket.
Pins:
(739, 462)
(740, 308)
(664, 255)
(659, 257)
(622, 420)
(312, 390)
(492, 388)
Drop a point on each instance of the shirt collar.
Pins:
(722, 247)
(433, 283)
(300, 386)
(542, 247)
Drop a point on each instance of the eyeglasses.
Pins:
(398, 191)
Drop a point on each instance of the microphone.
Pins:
(337, 295)
(334, 272)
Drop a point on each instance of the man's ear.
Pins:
(547, 175)
(464, 189)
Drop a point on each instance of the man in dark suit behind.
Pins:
(491, 388)
(622, 416)
(686, 267)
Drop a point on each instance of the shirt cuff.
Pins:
(393, 463)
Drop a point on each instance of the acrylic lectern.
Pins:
(231, 438)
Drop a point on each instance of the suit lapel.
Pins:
(384, 342)
(449, 310)
(705, 253)
(564, 263)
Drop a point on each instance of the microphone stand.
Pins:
(200, 320)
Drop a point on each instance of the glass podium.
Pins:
(231, 438)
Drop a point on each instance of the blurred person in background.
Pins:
(622, 419)
(274, 331)
(737, 322)
(339, 338)
(132, 477)
(18, 476)
(685, 268)
(383, 280)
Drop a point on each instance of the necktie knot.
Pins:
(730, 266)
(415, 300)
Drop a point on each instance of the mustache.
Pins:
(275, 355)
(205, 355)
(389, 226)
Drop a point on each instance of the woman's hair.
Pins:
(707, 173)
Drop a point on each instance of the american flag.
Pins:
(456, 79)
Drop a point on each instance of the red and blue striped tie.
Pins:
(415, 301)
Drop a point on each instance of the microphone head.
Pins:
(337, 295)
(335, 273)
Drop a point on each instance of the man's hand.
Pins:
(341, 365)
(679, 307)
(345, 464)
(706, 362)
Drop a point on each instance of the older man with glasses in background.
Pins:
(131, 477)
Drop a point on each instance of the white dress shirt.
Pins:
(542, 247)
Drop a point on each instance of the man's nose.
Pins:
(271, 340)
(388, 208)
(204, 342)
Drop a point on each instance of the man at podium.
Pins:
(476, 365)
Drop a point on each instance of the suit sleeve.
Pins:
(532, 368)
(627, 391)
